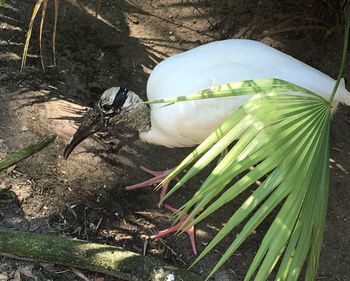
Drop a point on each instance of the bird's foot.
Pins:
(158, 177)
(190, 231)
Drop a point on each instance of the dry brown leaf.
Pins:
(56, 2)
(29, 32)
(43, 13)
(10, 169)
(4, 276)
(101, 278)
(26, 270)
(80, 274)
(50, 267)
(16, 276)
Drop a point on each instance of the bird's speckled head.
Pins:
(115, 99)
(115, 105)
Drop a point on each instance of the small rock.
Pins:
(170, 277)
(204, 243)
(3, 276)
(134, 20)
(172, 38)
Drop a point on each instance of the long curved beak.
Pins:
(93, 122)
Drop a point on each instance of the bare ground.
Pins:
(84, 196)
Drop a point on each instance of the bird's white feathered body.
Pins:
(189, 123)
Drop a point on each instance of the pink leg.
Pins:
(158, 177)
(191, 231)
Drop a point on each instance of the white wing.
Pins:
(189, 123)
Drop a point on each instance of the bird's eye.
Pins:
(106, 107)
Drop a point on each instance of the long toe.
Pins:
(190, 231)
(158, 176)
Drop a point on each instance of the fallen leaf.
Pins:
(4, 276)
(10, 169)
(26, 270)
(80, 274)
(16, 276)
(101, 278)
(50, 267)
(35, 225)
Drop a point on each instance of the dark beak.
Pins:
(93, 121)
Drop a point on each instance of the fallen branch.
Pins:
(106, 259)
(25, 152)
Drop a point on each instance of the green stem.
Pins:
(345, 50)
(25, 152)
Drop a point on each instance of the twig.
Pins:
(85, 224)
(172, 251)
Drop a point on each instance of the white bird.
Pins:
(189, 123)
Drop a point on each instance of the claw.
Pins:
(191, 231)
(159, 176)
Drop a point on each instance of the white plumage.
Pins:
(189, 123)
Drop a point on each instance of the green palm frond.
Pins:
(280, 138)
(282, 141)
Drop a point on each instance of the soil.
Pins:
(84, 196)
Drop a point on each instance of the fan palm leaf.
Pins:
(281, 136)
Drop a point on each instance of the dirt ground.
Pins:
(84, 196)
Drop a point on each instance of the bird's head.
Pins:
(114, 106)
